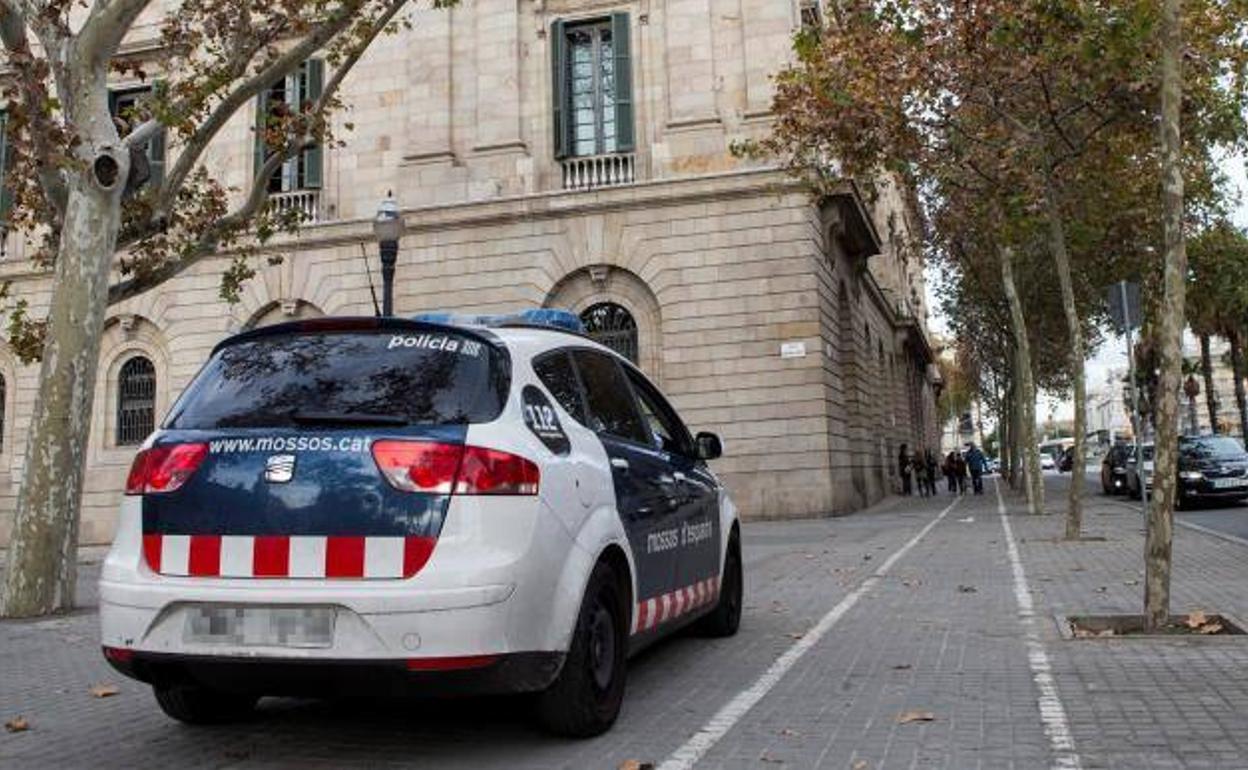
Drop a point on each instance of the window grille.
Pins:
(612, 325)
(136, 401)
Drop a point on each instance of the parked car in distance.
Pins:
(1137, 469)
(1114, 469)
(1046, 462)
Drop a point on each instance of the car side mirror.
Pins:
(709, 446)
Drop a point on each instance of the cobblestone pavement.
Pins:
(939, 632)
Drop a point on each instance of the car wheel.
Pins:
(586, 696)
(725, 619)
(196, 705)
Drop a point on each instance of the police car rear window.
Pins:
(413, 377)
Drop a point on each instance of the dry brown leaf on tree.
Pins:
(907, 717)
(17, 725)
(104, 690)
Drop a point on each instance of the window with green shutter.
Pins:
(592, 87)
(126, 105)
(296, 91)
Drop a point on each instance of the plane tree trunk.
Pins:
(41, 565)
(1061, 260)
(1026, 388)
(1158, 561)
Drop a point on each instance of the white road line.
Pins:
(1052, 712)
(718, 726)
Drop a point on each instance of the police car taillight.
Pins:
(425, 466)
(164, 468)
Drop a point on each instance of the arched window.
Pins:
(611, 325)
(136, 401)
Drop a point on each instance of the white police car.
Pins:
(362, 505)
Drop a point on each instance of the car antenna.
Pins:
(371, 289)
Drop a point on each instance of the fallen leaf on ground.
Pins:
(771, 760)
(1078, 569)
(1211, 628)
(1102, 589)
(866, 557)
(789, 733)
(907, 717)
(967, 520)
(1196, 619)
(860, 764)
(1106, 632)
(104, 690)
(1130, 582)
(17, 725)
(811, 555)
(967, 589)
(911, 583)
(636, 764)
(902, 667)
(796, 634)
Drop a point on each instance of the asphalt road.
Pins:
(1229, 519)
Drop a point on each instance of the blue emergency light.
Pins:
(540, 316)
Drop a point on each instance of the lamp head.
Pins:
(388, 224)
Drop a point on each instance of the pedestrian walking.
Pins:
(916, 467)
(975, 463)
(903, 468)
(947, 467)
(959, 471)
(929, 467)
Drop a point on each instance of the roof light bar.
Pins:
(543, 316)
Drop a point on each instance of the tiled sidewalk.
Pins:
(939, 632)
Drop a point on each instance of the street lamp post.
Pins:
(388, 229)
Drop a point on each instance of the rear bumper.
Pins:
(512, 673)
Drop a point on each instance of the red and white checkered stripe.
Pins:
(657, 610)
(286, 556)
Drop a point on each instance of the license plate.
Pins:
(246, 626)
(1228, 483)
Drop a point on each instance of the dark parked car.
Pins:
(1114, 469)
(1211, 469)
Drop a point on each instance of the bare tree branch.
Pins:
(259, 193)
(194, 148)
(107, 24)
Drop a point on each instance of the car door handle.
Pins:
(619, 462)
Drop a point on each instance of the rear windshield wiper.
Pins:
(346, 418)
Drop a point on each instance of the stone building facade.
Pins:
(571, 153)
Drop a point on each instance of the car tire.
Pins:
(586, 696)
(725, 619)
(195, 705)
